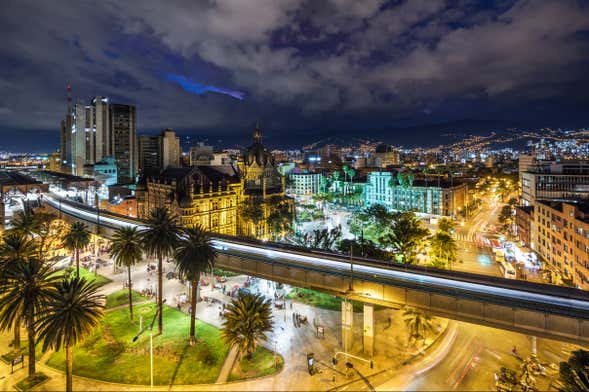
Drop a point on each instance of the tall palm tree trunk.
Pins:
(69, 361)
(160, 297)
(16, 343)
(130, 293)
(78, 262)
(31, 333)
(193, 301)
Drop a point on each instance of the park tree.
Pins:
(194, 256)
(74, 310)
(419, 324)
(574, 373)
(159, 239)
(25, 293)
(406, 237)
(76, 239)
(248, 320)
(15, 248)
(443, 250)
(126, 251)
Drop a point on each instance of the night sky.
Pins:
(215, 67)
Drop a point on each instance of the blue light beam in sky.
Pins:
(201, 88)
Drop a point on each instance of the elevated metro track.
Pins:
(541, 310)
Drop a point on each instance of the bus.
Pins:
(507, 270)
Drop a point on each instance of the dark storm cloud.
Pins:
(300, 62)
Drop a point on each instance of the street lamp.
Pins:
(150, 343)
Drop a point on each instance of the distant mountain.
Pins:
(427, 135)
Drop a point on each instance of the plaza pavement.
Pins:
(291, 343)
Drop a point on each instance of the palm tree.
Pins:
(574, 374)
(159, 239)
(195, 255)
(126, 251)
(25, 294)
(406, 236)
(44, 228)
(24, 222)
(15, 248)
(419, 324)
(248, 319)
(74, 311)
(75, 239)
(443, 250)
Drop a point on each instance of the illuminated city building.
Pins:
(560, 235)
(262, 183)
(91, 132)
(198, 195)
(403, 193)
(554, 180)
(304, 184)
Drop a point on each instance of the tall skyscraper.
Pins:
(102, 126)
(124, 141)
(91, 133)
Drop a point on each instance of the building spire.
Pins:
(257, 133)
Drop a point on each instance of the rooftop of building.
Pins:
(582, 206)
(8, 178)
(65, 177)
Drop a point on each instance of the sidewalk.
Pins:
(290, 342)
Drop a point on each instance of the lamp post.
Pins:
(150, 343)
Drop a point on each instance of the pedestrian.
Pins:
(390, 322)
(178, 306)
(514, 351)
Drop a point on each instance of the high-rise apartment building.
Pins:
(102, 128)
(124, 141)
(159, 152)
(559, 233)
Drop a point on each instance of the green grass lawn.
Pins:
(84, 273)
(261, 364)
(110, 354)
(121, 297)
(319, 300)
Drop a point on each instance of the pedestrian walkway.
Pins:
(290, 341)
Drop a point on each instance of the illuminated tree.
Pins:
(74, 310)
(25, 293)
(126, 250)
(406, 237)
(574, 374)
(419, 324)
(194, 256)
(76, 239)
(159, 239)
(248, 319)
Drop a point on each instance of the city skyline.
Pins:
(214, 69)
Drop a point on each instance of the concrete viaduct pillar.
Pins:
(347, 325)
(368, 336)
